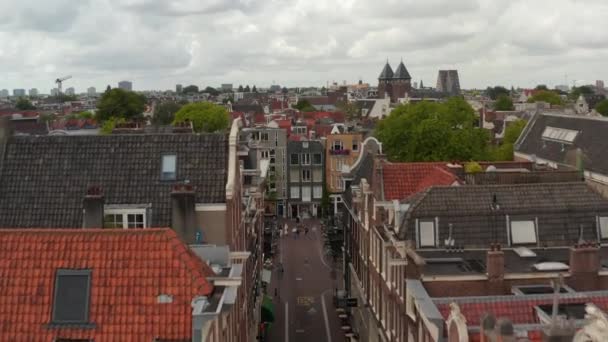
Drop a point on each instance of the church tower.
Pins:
(394, 84)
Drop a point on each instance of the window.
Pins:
(71, 297)
(306, 175)
(355, 145)
(295, 192)
(306, 194)
(426, 233)
(317, 159)
(295, 160)
(339, 165)
(317, 191)
(337, 145)
(523, 232)
(169, 162)
(317, 175)
(305, 159)
(560, 134)
(124, 218)
(305, 144)
(265, 154)
(272, 153)
(294, 176)
(603, 227)
(264, 136)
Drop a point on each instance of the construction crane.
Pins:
(59, 82)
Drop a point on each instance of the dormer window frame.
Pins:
(165, 166)
(520, 241)
(131, 218)
(602, 228)
(423, 223)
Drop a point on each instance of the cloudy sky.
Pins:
(158, 43)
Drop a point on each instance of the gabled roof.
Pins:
(44, 179)
(402, 180)
(129, 270)
(402, 73)
(387, 72)
(590, 139)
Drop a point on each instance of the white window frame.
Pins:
(522, 227)
(125, 215)
(165, 167)
(294, 194)
(356, 145)
(336, 143)
(291, 159)
(265, 154)
(317, 191)
(308, 173)
(603, 227)
(305, 158)
(423, 242)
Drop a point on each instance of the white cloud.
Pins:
(158, 43)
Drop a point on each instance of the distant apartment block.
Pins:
(33, 92)
(70, 91)
(4, 93)
(18, 92)
(54, 92)
(91, 91)
(227, 87)
(178, 88)
(448, 82)
(126, 85)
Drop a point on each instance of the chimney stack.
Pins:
(93, 208)
(495, 266)
(183, 212)
(584, 267)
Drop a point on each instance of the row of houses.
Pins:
(515, 252)
(67, 277)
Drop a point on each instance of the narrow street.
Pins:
(304, 304)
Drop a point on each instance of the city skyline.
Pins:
(299, 43)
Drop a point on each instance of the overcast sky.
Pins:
(159, 43)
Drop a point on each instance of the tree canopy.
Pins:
(240, 88)
(429, 131)
(578, 91)
(546, 96)
(505, 150)
(191, 89)
(497, 91)
(541, 87)
(24, 104)
(211, 91)
(120, 103)
(205, 116)
(164, 113)
(351, 110)
(503, 102)
(602, 107)
(304, 106)
(254, 89)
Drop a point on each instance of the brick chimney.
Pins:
(495, 267)
(183, 212)
(584, 267)
(92, 205)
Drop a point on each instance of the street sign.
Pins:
(351, 302)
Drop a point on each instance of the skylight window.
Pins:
(523, 232)
(169, 167)
(72, 295)
(560, 134)
(603, 227)
(426, 234)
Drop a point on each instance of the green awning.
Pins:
(267, 310)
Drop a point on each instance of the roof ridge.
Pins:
(575, 117)
(519, 298)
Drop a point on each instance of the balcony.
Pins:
(342, 152)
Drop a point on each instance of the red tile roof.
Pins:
(284, 124)
(402, 180)
(130, 269)
(518, 310)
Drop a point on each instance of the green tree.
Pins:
(513, 131)
(472, 167)
(546, 96)
(351, 110)
(578, 91)
(240, 88)
(504, 152)
(120, 103)
(495, 92)
(602, 107)
(211, 91)
(109, 125)
(503, 102)
(254, 89)
(164, 113)
(304, 106)
(24, 104)
(284, 90)
(191, 89)
(85, 115)
(247, 89)
(205, 116)
(430, 131)
(541, 87)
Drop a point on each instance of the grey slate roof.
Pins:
(44, 179)
(560, 208)
(387, 72)
(402, 73)
(591, 139)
